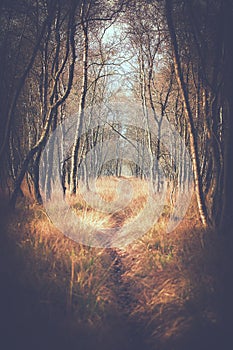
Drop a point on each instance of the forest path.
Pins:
(131, 332)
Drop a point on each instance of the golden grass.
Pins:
(176, 284)
(164, 271)
(70, 277)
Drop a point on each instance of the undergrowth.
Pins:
(171, 279)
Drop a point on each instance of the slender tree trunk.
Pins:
(189, 118)
(36, 172)
(227, 212)
(21, 83)
(145, 113)
(82, 104)
(53, 107)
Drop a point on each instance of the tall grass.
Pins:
(76, 284)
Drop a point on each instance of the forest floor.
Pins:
(165, 291)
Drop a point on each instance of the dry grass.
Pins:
(69, 278)
(169, 277)
(175, 274)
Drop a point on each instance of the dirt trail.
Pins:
(124, 287)
(132, 331)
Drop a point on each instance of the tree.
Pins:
(189, 117)
(54, 101)
(204, 38)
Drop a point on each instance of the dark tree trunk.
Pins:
(189, 118)
(36, 171)
(227, 213)
(38, 147)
